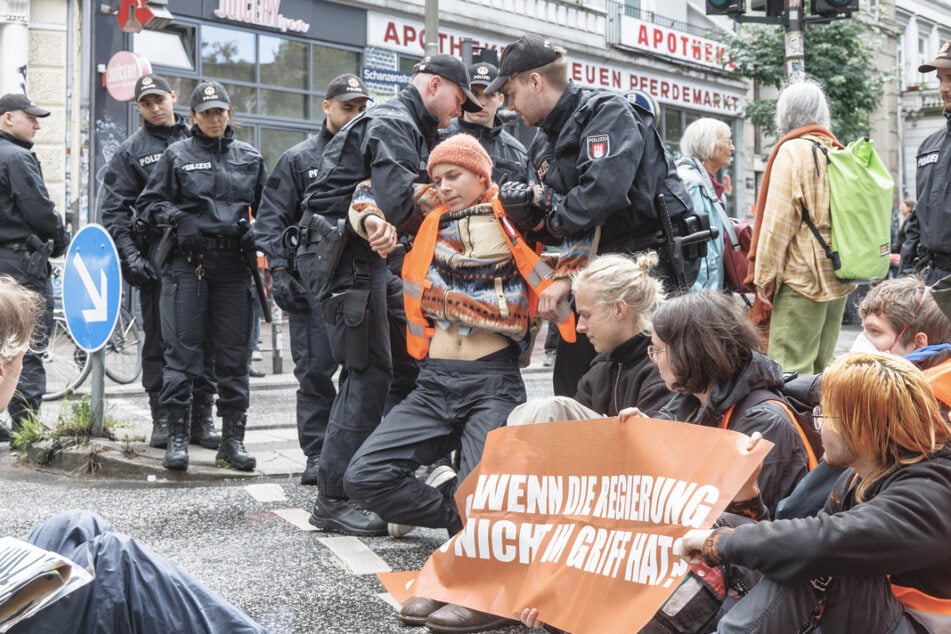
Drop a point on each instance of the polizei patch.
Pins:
(599, 146)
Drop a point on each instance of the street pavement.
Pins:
(244, 535)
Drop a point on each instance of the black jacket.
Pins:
(214, 180)
(284, 193)
(390, 144)
(786, 463)
(607, 162)
(509, 156)
(25, 205)
(623, 377)
(903, 529)
(128, 172)
(930, 223)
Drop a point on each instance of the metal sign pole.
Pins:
(98, 398)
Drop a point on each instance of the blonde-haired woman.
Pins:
(19, 311)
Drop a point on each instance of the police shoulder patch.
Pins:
(599, 146)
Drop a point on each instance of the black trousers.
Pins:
(32, 384)
(454, 406)
(314, 367)
(202, 305)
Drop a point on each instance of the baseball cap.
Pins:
(451, 68)
(151, 85)
(210, 94)
(482, 74)
(17, 101)
(525, 53)
(943, 60)
(347, 87)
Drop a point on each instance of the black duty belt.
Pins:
(941, 260)
(220, 242)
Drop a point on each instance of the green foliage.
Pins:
(31, 432)
(839, 55)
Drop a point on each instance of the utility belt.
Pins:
(39, 252)
(938, 260)
(16, 245)
(219, 243)
(681, 227)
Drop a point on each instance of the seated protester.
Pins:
(468, 307)
(615, 296)
(707, 350)
(876, 558)
(899, 316)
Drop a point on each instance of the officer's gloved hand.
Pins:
(246, 241)
(137, 270)
(189, 235)
(288, 292)
(518, 200)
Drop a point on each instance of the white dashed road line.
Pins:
(355, 555)
(297, 517)
(266, 492)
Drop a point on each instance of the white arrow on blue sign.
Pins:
(92, 287)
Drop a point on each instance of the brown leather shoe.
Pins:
(456, 619)
(415, 610)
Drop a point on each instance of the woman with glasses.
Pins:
(709, 353)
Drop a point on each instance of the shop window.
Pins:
(228, 54)
(274, 141)
(172, 47)
(283, 62)
(278, 103)
(328, 62)
(243, 98)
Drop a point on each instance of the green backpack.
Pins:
(860, 193)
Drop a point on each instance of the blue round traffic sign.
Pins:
(92, 287)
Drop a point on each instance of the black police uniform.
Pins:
(390, 144)
(509, 156)
(26, 212)
(125, 177)
(605, 160)
(209, 294)
(928, 234)
(314, 365)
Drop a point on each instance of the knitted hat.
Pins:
(465, 151)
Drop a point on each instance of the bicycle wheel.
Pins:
(67, 365)
(124, 350)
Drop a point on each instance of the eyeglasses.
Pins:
(653, 351)
(818, 418)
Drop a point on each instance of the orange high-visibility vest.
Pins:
(416, 264)
(939, 377)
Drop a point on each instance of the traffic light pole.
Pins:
(795, 51)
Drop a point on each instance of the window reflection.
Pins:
(227, 54)
(283, 62)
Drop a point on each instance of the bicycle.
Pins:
(67, 365)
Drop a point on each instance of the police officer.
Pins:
(314, 365)
(30, 233)
(509, 157)
(203, 187)
(389, 145)
(928, 234)
(125, 177)
(598, 162)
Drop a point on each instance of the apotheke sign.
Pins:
(260, 13)
(653, 38)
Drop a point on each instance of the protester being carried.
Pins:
(876, 558)
(708, 352)
(469, 303)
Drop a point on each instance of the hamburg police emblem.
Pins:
(599, 146)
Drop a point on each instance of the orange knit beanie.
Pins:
(465, 151)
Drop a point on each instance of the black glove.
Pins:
(246, 241)
(190, 240)
(136, 269)
(288, 292)
(518, 200)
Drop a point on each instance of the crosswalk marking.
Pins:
(297, 517)
(266, 492)
(355, 555)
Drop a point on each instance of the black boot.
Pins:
(232, 448)
(176, 454)
(159, 437)
(203, 423)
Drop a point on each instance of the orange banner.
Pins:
(579, 520)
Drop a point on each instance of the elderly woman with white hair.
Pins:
(793, 277)
(707, 147)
